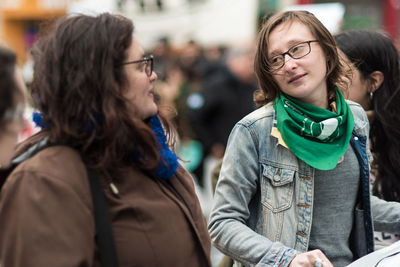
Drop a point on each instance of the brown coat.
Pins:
(46, 217)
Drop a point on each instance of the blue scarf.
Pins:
(168, 164)
(169, 161)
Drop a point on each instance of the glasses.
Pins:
(149, 61)
(297, 51)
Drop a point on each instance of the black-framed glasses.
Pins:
(148, 60)
(297, 51)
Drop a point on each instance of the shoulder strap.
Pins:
(104, 234)
(5, 172)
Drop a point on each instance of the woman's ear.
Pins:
(376, 79)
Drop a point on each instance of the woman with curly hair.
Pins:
(94, 88)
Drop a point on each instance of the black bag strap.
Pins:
(104, 234)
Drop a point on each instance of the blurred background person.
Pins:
(94, 87)
(190, 61)
(12, 105)
(226, 96)
(186, 75)
(162, 52)
(375, 84)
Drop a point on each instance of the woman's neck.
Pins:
(319, 101)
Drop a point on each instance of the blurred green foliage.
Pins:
(357, 23)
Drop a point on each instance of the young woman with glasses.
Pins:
(294, 184)
(93, 86)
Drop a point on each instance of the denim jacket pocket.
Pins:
(277, 188)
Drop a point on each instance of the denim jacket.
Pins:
(263, 202)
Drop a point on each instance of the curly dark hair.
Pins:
(78, 86)
(8, 87)
(336, 71)
(371, 51)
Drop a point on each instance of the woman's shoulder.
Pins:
(356, 109)
(262, 114)
(361, 123)
(56, 158)
(53, 167)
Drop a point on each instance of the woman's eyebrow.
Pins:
(289, 44)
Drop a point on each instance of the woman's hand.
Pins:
(313, 258)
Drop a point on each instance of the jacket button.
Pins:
(277, 178)
(355, 138)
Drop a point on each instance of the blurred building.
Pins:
(20, 21)
(208, 22)
(368, 14)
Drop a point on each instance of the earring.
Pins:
(371, 92)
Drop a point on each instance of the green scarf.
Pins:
(317, 136)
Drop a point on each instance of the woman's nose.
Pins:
(290, 63)
(153, 76)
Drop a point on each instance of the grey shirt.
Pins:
(335, 194)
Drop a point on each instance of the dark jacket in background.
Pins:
(226, 99)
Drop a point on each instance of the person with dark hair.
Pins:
(375, 85)
(227, 96)
(94, 86)
(12, 104)
(294, 183)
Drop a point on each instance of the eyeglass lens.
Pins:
(149, 66)
(296, 52)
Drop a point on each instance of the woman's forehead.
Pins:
(286, 34)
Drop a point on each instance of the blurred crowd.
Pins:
(302, 146)
(205, 91)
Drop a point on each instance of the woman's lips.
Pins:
(297, 77)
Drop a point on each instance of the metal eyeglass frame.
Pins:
(149, 66)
